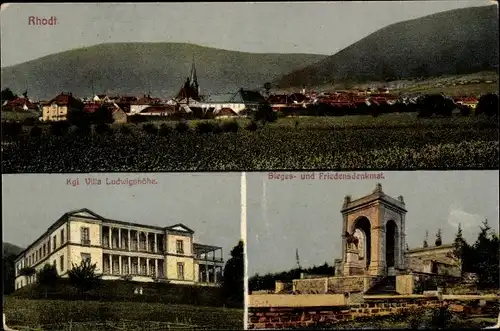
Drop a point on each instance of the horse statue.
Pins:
(351, 240)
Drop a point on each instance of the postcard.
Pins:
(249, 86)
(164, 254)
(378, 253)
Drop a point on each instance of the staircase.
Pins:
(387, 286)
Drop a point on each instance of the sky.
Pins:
(299, 214)
(275, 27)
(209, 204)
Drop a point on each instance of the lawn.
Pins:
(96, 315)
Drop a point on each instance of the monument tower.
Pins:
(373, 235)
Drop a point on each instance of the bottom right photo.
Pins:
(387, 250)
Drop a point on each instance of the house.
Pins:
(142, 103)
(101, 98)
(122, 250)
(20, 105)
(159, 110)
(119, 115)
(243, 99)
(57, 109)
(470, 102)
(224, 113)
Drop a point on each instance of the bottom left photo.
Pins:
(111, 252)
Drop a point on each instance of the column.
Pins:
(147, 267)
(119, 264)
(344, 242)
(156, 266)
(110, 264)
(138, 265)
(156, 245)
(109, 237)
(206, 273)
(119, 239)
(147, 246)
(138, 243)
(215, 275)
(128, 239)
(129, 261)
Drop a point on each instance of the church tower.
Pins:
(194, 78)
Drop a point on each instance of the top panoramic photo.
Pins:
(158, 87)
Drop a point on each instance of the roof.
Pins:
(160, 109)
(66, 99)
(91, 107)
(242, 96)
(203, 249)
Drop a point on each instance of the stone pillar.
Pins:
(138, 242)
(147, 242)
(206, 273)
(119, 238)
(109, 237)
(156, 266)
(110, 264)
(402, 235)
(129, 264)
(344, 240)
(128, 239)
(147, 266)
(377, 263)
(215, 274)
(156, 244)
(120, 271)
(138, 265)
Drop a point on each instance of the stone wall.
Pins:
(420, 260)
(299, 300)
(405, 284)
(339, 285)
(283, 287)
(301, 317)
(346, 284)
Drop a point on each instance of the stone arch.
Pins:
(391, 244)
(363, 225)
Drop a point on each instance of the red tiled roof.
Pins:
(64, 99)
(169, 109)
(91, 107)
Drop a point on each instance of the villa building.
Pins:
(122, 250)
(58, 108)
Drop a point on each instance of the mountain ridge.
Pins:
(142, 67)
(388, 53)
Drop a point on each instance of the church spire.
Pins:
(194, 78)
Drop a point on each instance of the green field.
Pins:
(24, 314)
(391, 141)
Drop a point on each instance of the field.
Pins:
(391, 141)
(25, 314)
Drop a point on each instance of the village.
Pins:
(190, 103)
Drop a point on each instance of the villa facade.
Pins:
(122, 250)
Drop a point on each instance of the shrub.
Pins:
(182, 127)
(252, 126)
(136, 118)
(150, 129)
(165, 130)
(265, 114)
(59, 128)
(11, 129)
(207, 127)
(30, 121)
(230, 126)
(35, 131)
(102, 128)
(125, 130)
(465, 111)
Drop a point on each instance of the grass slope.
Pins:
(136, 68)
(452, 42)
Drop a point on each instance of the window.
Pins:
(85, 235)
(61, 262)
(54, 243)
(55, 264)
(180, 247)
(62, 236)
(48, 246)
(36, 256)
(85, 257)
(44, 249)
(180, 270)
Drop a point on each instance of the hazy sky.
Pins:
(305, 214)
(323, 27)
(209, 204)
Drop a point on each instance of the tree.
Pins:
(47, 277)
(83, 276)
(297, 259)
(265, 114)
(102, 115)
(461, 250)
(233, 279)
(425, 244)
(8, 95)
(488, 104)
(267, 87)
(439, 240)
(485, 262)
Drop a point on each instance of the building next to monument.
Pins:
(374, 256)
(122, 250)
